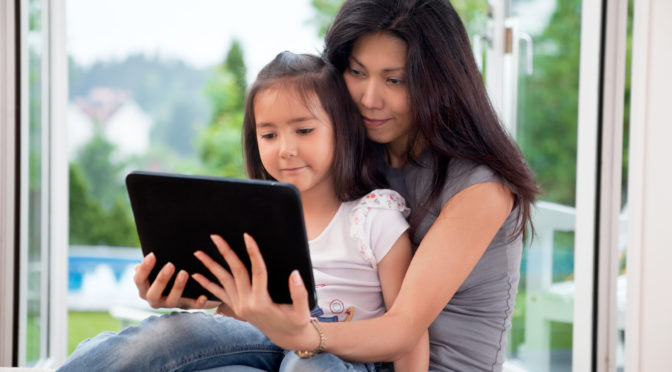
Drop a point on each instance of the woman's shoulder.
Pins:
(463, 173)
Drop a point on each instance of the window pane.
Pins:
(547, 111)
(164, 93)
(36, 315)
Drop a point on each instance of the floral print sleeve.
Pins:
(378, 199)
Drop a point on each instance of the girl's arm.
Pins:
(447, 254)
(391, 270)
(153, 292)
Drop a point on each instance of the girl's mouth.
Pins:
(291, 170)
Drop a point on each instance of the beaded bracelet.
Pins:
(320, 348)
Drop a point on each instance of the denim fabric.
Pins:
(324, 362)
(178, 342)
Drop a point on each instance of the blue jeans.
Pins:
(184, 341)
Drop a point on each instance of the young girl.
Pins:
(300, 127)
(296, 131)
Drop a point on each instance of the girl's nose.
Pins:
(372, 96)
(287, 148)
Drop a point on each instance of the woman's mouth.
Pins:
(374, 123)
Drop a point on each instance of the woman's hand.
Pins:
(287, 325)
(153, 292)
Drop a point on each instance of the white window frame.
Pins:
(8, 171)
(611, 161)
(54, 225)
(649, 199)
(586, 185)
(59, 212)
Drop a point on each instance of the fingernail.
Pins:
(168, 270)
(182, 276)
(296, 278)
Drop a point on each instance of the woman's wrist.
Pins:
(313, 339)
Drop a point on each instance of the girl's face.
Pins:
(376, 79)
(296, 142)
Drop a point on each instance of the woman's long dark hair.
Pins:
(310, 76)
(453, 116)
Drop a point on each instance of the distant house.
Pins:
(116, 115)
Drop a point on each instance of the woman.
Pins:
(409, 68)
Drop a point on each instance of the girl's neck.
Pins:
(318, 210)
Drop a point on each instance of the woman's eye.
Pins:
(355, 72)
(304, 131)
(268, 135)
(395, 81)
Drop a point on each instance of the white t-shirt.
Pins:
(346, 254)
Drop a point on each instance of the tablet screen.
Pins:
(176, 214)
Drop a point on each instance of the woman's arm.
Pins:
(391, 271)
(447, 254)
(449, 251)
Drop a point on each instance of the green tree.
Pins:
(99, 209)
(90, 223)
(548, 105)
(220, 143)
(473, 12)
(102, 173)
(325, 11)
(236, 65)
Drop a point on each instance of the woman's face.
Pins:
(376, 79)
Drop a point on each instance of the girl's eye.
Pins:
(268, 135)
(304, 131)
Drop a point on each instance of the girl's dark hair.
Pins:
(452, 114)
(310, 76)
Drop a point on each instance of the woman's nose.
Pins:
(372, 96)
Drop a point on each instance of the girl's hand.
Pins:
(153, 292)
(287, 325)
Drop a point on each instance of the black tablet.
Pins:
(176, 214)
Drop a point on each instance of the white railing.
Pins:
(547, 300)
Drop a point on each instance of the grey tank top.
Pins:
(470, 332)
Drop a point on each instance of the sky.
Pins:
(198, 32)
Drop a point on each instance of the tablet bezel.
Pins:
(176, 213)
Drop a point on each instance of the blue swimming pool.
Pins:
(83, 260)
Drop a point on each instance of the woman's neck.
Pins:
(319, 207)
(396, 151)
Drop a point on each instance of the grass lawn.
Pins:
(83, 325)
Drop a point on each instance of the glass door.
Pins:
(544, 38)
(530, 55)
